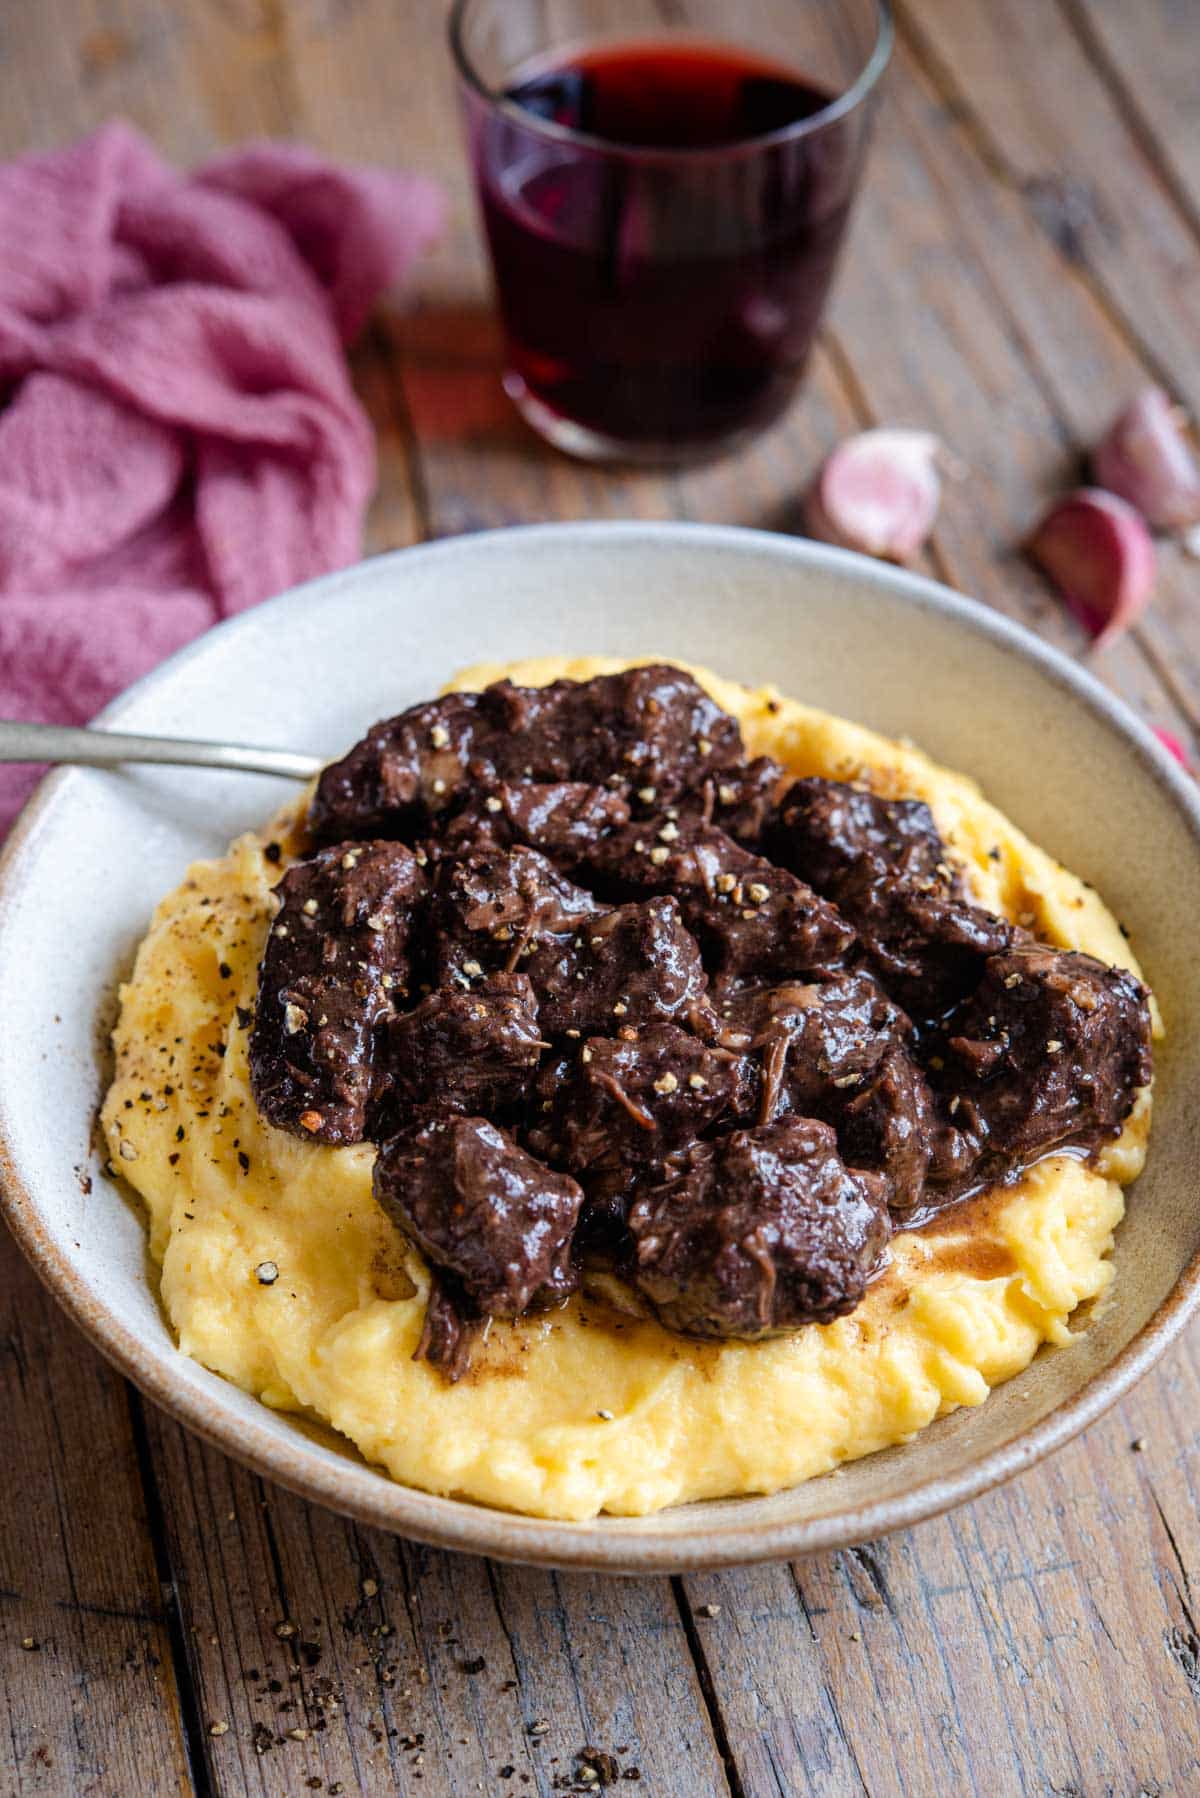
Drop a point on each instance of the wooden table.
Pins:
(1025, 253)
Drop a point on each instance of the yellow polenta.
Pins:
(581, 1410)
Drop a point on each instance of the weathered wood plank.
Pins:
(1049, 126)
(1042, 1639)
(404, 1668)
(89, 1700)
(70, 64)
(1150, 56)
(395, 516)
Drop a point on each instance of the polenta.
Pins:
(281, 1272)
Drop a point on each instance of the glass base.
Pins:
(587, 445)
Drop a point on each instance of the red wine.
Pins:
(669, 96)
(665, 294)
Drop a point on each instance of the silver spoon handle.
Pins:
(107, 748)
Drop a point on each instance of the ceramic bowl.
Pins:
(95, 850)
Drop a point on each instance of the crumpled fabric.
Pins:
(179, 437)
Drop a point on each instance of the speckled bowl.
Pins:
(94, 851)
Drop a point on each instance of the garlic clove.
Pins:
(1172, 745)
(1099, 554)
(1145, 458)
(878, 493)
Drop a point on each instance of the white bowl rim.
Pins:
(601, 1544)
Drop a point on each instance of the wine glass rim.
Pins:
(837, 108)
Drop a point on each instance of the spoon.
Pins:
(108, 748)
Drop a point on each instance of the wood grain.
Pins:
(1150, 58)
(341, 1654)
(1038, 1640)
(1025, 253)
(89, 1700)
(1052, 129)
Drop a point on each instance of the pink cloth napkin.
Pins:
(180, 437)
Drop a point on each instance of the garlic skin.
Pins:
(1145, 457)
(877, 493)
(1098, 552)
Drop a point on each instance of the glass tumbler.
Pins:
(665, 186)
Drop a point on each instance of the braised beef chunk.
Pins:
(623, 1002)
(492, 907)
(561, 819)
(633, 965)
(835, 830)
(740, 800)
(758, 1232)
(813, 1034)
(621, 1104)
(768, 924)
(752, 919)
(744, 798)
(839, 1050)
(1050, 1051)
(451, 1325)
(662, 854)
(336, 964)
(929, 950)
(469, 1050)
(402, 773)
(482, 1211)
(882, 863)
(652, 726)
(649, 726)
(890, 1123)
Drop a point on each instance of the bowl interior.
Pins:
(310, 670)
